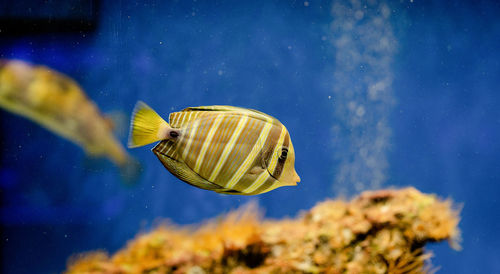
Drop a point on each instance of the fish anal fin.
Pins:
(229, 191)
(186, 174)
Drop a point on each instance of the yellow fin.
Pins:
(252, 112)
(146, 126)
(185, 173)
(181, 118)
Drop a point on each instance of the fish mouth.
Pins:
(282, 183)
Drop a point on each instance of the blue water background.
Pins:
(442, 126)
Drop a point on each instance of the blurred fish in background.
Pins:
(226, 149)
(58, 103)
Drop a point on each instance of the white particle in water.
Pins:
(360, 111)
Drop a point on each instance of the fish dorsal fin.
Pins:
(179, 119)
(228, 108)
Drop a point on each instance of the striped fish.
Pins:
(226, 149)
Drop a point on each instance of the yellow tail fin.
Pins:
(146, 126)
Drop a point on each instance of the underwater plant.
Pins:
(378, 232)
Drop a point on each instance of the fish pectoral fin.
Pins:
(256, 170)
(253, 173)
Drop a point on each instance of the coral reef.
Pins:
(378, 232)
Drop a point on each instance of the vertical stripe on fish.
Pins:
(206, 143)
(228, 147)
(250, 158)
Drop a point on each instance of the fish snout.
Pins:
(296, 177)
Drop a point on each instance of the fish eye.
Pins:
(284, 153)
(174, 134)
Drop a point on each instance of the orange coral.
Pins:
(378, 232)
